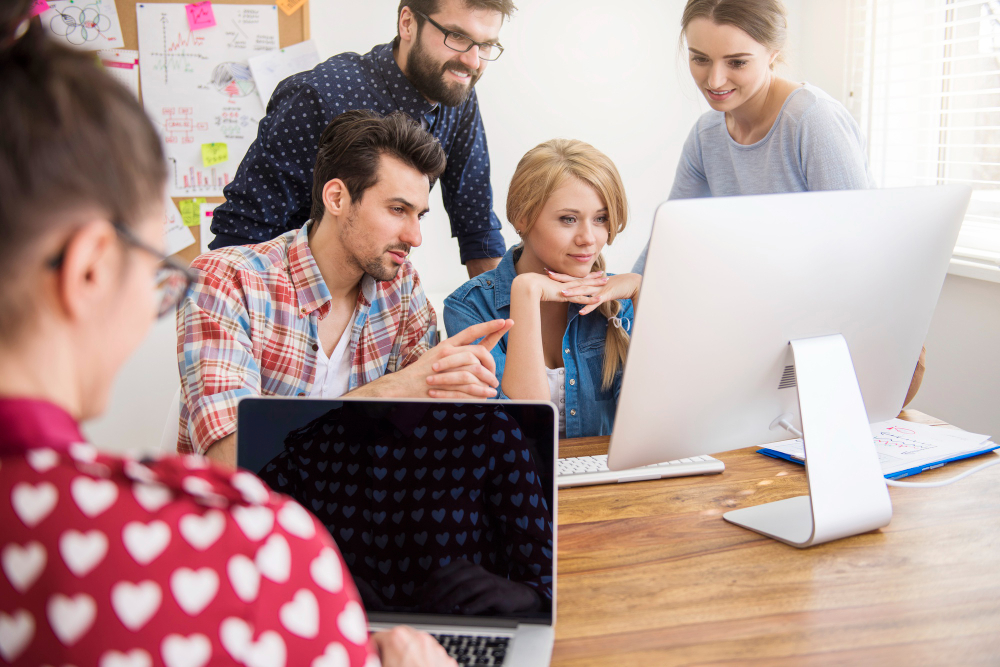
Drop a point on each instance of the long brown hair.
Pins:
(73, 139)
(546, 167)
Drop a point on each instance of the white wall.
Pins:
(607, 73)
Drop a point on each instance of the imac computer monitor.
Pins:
(806, 308)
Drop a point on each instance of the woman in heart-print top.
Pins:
(111, 561)
(435, 510)
(104, 560)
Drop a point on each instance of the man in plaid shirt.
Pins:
(334, 307)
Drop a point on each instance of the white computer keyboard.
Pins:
(586, 470)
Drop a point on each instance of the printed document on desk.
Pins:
(904, 448)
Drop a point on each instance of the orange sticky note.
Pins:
(214, 154)
(200, 15)
(290, 6)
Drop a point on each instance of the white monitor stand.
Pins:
(739, 292)
(847, 492)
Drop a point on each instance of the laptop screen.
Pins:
(441, 509)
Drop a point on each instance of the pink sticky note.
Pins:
(200, 15)
(39, 7)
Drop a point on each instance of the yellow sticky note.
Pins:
(290, 6)
(190, 211)
(214, 154)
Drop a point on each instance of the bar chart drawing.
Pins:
(198, 89)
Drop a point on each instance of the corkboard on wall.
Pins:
(291, 30)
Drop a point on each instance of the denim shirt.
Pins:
(590, 409)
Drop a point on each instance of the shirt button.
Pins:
(573, 412)
(315, 347)
(567, 350)
(489, 282)
(572, 382)
(302, 393)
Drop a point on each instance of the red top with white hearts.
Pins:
(113, 562)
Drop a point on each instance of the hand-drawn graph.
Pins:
(890, 440)
(179, 125)
(85, 24)
(198, 87)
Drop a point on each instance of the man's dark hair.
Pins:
(354, 142)
(428, 7)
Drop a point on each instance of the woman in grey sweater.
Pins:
(764, 134)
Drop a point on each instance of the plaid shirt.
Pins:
(249, 327)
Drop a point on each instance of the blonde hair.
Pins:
(539, 173)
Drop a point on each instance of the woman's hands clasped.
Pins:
(590, 291)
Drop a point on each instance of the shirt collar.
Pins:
(503, 277)
(310, 288)
(28, 423)
(404, 93)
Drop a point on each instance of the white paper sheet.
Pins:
(272, 68)
(205, 225)
(197, 87)
(903, 445)
(89, 25)
(176, 236)
(123, 66)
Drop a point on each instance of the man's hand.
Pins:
(405, 647)
(482, 265)
(458, 369)
(454, 369)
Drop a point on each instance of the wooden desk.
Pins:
(650, 574)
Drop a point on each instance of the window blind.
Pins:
(924, 85)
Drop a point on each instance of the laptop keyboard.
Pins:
(474, 651)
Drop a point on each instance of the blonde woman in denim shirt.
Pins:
(571, 320)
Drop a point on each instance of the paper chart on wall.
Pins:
(270, 69)
(176, 236)
(84, 24)
(197, 87)
(123, 66)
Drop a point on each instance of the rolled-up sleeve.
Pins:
(466, 189)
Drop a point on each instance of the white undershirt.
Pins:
(333, 373)
(557, 392)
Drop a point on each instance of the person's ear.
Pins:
(336, 198)
(407, 25)
(521, 227)
(91, 267)
(774, 58)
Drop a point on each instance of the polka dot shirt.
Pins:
(272, 191)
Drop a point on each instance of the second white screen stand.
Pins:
(847, 492)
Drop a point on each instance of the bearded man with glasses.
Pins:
(429, 72)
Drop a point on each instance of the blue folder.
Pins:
(896, 475)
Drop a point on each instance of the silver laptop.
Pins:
(444, 512)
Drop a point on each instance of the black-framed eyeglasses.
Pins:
(456, 41)
(172, 278)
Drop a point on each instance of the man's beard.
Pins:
(374, 265)
(428, 77)
(376, 268)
